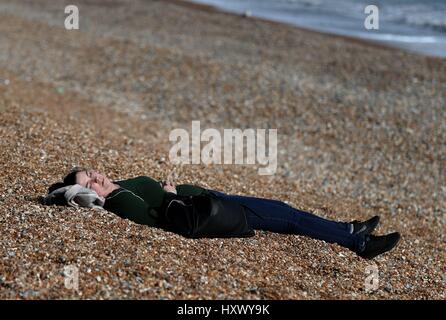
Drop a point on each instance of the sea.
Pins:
(414, 25)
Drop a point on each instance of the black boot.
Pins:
(376, 245)
(365, 227)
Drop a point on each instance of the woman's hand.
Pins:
(169, 187)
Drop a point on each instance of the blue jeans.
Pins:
(277, 216)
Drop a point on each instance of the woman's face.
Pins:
(95, 181)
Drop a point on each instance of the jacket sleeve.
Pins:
(127, 205)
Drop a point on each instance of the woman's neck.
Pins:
(113, 188)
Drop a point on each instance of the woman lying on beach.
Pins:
(140, 200)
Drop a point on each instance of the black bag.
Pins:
(206, 216)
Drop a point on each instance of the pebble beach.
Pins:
(361, 132)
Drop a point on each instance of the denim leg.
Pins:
(277, 216)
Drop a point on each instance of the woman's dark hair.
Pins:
(69, 179)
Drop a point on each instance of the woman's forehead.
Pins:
(81, 178)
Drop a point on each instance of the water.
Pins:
(414, 25)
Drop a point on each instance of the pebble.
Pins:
(247, 14)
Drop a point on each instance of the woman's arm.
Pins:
(127, 205)
(182, 189)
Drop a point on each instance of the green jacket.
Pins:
(140, 199)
